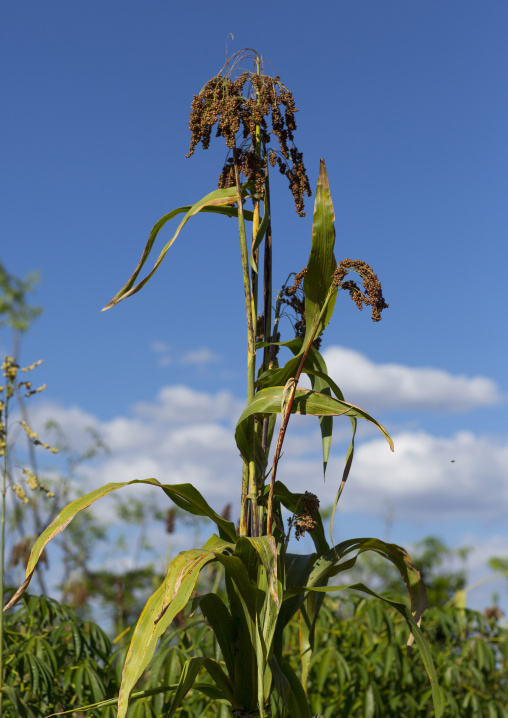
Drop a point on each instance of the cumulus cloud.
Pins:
(427, 478)
(200, 357)
(396, 386)
(187, 436)
(184, 436)
(181, 404)
(195, 357)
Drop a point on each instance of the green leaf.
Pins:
(260, 233)
(327, 565)
(22, 709)
(218, 616)
(161, 608)
(314, 363)
(268, 401)
(420, 640)
(267, 611)
(184, 495)
(267, 551)
(321, 264)
(297, 700)
(242, 599)
(216, 202)
(221, 680)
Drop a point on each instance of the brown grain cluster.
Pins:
(238, 107)
(371, 296)
(306, 519)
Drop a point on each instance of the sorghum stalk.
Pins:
(251, 352)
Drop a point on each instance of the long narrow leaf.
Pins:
(215, 202)
(321, 264)
(219, 618)
(161, 608)
(184, 495)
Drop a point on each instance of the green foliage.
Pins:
(15, 312)
(53, 660)
(360, 668)
(436, 562)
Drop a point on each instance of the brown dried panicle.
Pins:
(371, 296)
(226, 512)
(260, 328)
(170, 521)
(306, 519)
(239, 107)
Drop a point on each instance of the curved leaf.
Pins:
(268, 401)
(161, 608)
(314, 363)
(184, 495)
(215, 202)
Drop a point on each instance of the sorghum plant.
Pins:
(266, 586)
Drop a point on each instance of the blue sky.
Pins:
(407, 103)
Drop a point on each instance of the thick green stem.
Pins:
(253, 487)
(267, 302)
(251, 354)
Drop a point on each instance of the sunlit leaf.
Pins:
(321, 264)
(260, 233)
(268, 401)
(184, 495)
(216, 202)
(161, 608)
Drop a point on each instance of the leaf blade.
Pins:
(213, 202)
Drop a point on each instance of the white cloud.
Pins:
(395, 386)
(181, 404)
(200, 357)
(427, 478)
(186, 436)
(163, 352)
(160, 347)
(195, 357)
